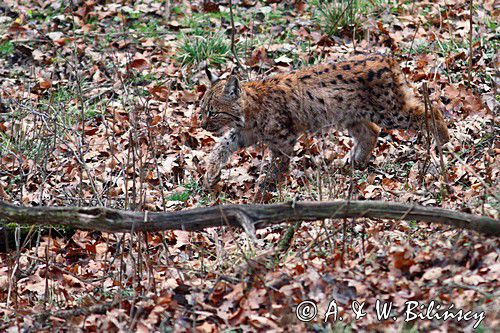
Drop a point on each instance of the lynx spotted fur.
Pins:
(359, 94)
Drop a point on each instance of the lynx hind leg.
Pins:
(365, 136)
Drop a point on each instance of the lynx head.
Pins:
(221, 105)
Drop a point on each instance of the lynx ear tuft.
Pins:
(232, 88)
(211, 76)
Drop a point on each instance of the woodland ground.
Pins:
(98, 106)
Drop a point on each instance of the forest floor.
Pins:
(99, 105)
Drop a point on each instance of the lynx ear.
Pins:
(232, 88)
(211, 76)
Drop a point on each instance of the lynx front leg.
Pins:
(229, 143)
(365, 139)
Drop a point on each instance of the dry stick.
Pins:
(12, 290)
(233, 32)
(81, 104)
(349, 198)
(47, 272)
(427, 137)
(12, 266)
(470, 41)
(135, 268)
(142, 104)
(126, 204)
(260, 216)
(133, 146)
(110, 138)
(426, 161)
(154, 154)
(413, 39)
(428, 107)
(120, 249)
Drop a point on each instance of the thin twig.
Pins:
(413, 39)
(233, 32)
(427, 133)
(470, 42)
(438, 145)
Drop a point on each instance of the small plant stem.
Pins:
(428, 108)
(413, 39)
(233, 32)
(470, 42)
(46, 291)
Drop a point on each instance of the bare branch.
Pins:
(245, 216)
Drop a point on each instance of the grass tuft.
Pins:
(214, 48)
(332, 16)
(335, 16)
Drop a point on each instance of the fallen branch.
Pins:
(250, 217)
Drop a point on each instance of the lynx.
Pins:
(358, 94)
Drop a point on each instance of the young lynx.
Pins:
(357, 94)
